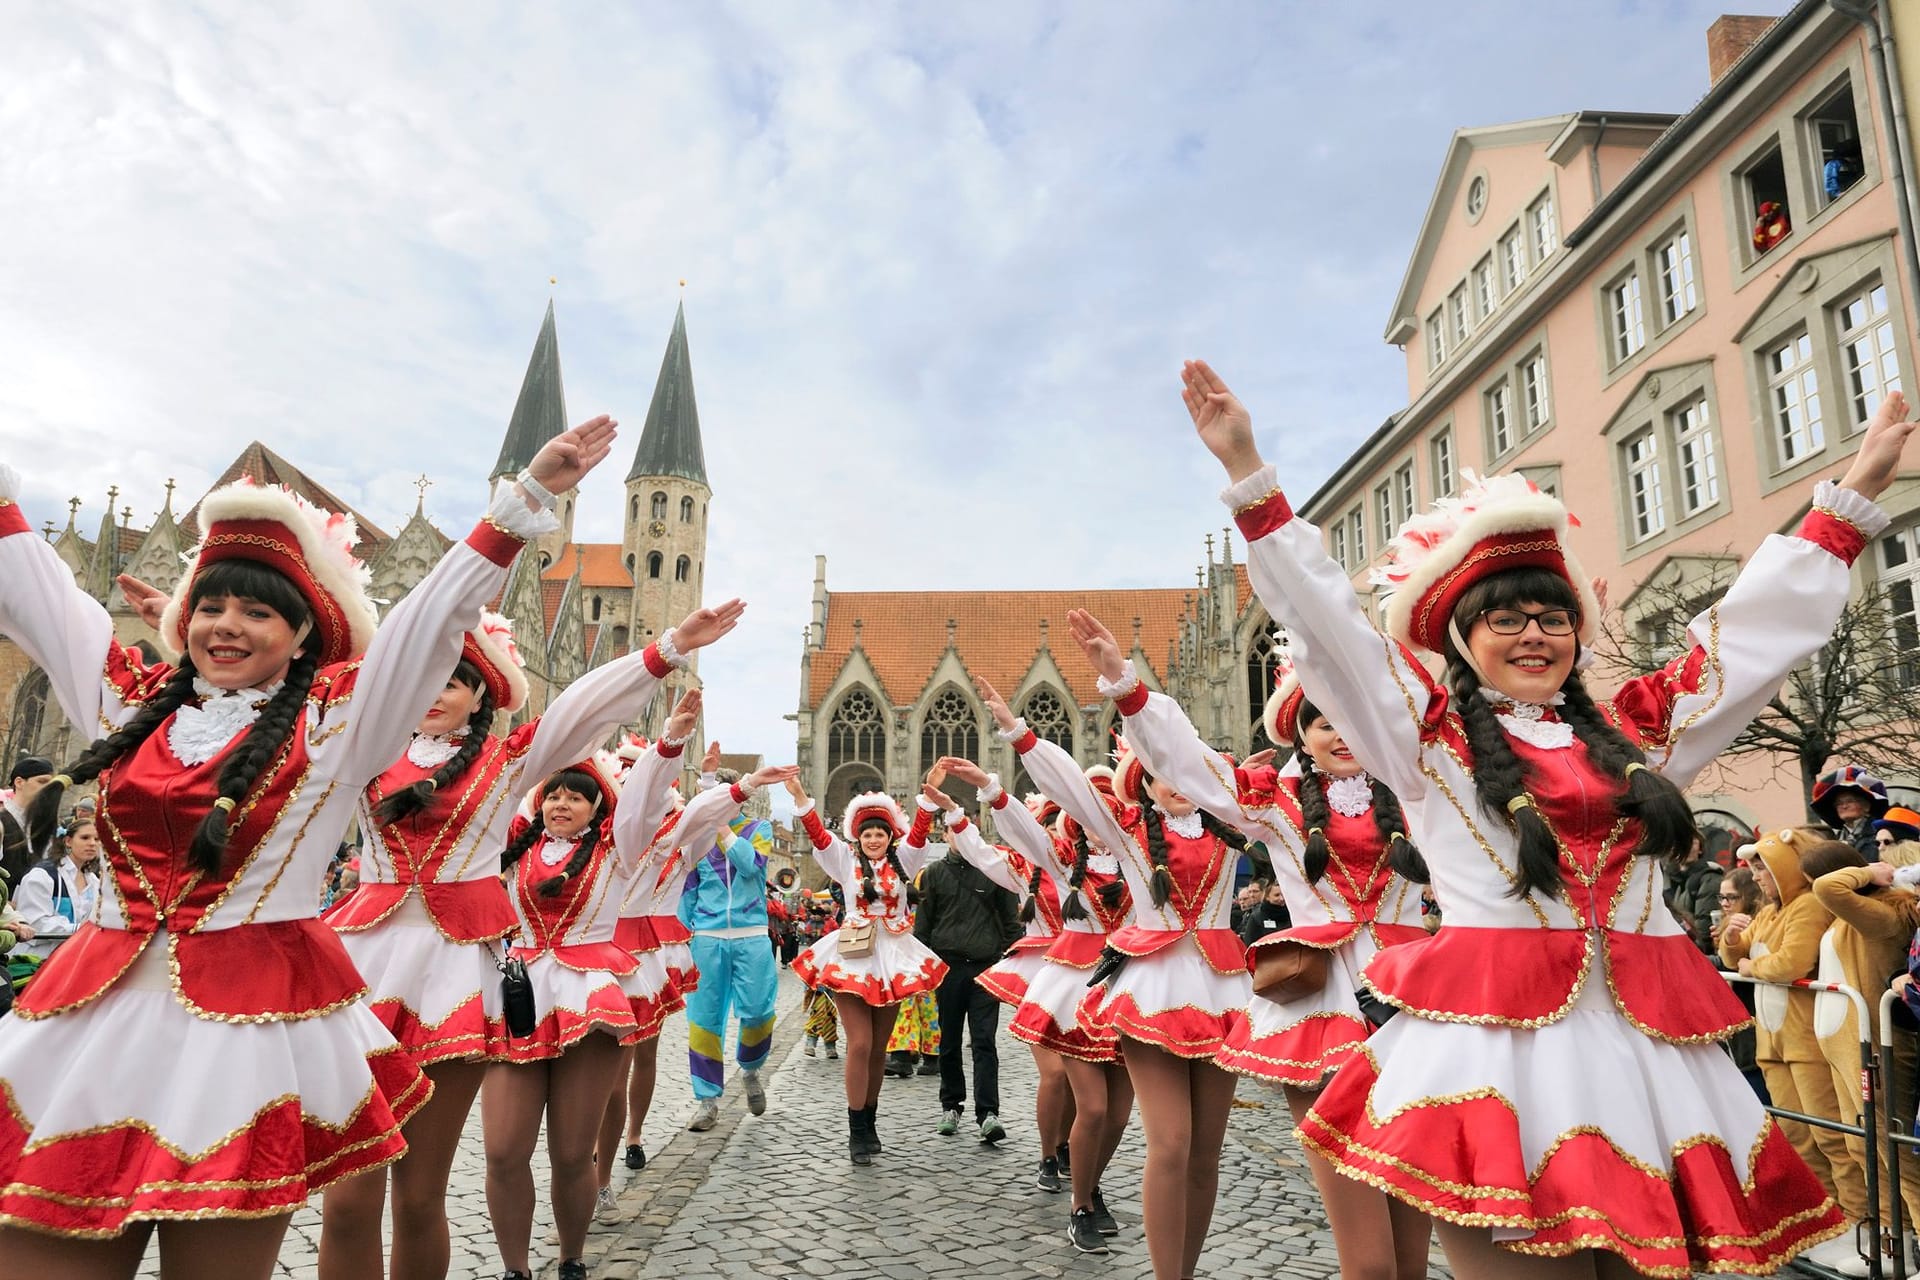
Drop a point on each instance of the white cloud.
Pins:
(943, 260)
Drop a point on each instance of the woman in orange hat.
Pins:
(1543, 817)
(227, 780)
(424, 927)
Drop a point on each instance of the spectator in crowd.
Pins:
(30, 773)
(1781, 943)
(1848, 800)
(1268, 915)
(1740, 897)
(1874, 922)
(1693, 890)
(1896, 826)
(969, 922)
(1244, 901)
(57, 894)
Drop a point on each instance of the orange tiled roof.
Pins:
(550, 593)
(997, 633)
(602, 565)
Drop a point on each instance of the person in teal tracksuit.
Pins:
(725, 905)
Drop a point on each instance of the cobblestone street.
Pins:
(775, 1197)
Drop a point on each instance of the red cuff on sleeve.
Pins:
(1259, 518)
(958, 826)
(657, 665)
(12, 519)
(739, 796)
(1133, 700)
(816, 830)
(495, 543)
(1025, 742)
(671, 751)
(1000, 801)
(922, 823)
(1842, 538)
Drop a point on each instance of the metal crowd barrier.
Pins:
(1872, 1098)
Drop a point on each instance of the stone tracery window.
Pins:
(1049, 718)
(856, 751)
(950, 729)
(1263, 663)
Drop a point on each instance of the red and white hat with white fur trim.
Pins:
(602, 766)
(1281, 715)
(872, 806)
(1128, 774)
(310, 547)
(1495, 523)
(490, 647)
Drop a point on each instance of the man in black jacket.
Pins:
(17, 855)
(969, 922)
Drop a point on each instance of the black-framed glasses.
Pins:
(1511, 622)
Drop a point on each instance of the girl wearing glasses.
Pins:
(1543, 816)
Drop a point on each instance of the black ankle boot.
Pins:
(871, 1121)
(857, 1136)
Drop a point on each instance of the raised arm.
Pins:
(1055, 772)
(828, 850)
(1014, 821)
(418, 643)
(646, 794)
(61, 628)
(1381, 699)
(967, 841)
(617, 693)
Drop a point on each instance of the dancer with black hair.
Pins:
(872, 961)
(1338, 845)
(569, 866)
(1543, 818)
(425, 926)
(1174, 977)
(227, 781)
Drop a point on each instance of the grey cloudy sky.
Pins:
(943, 261)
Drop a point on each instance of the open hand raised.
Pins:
(565, 460)
(1224, 424)
(996, 705)
(703, 626)
(685, 713)
(1102, 650)
(147, 600)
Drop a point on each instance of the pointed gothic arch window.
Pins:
(951, 728)
(654, 561)
(633, 509)
(629, 564)
(596, 608)
(659, 511)
(686, 511)
(856, 750)
(1046, 713)
(1263, 661)
(29, 714)
(681, 568)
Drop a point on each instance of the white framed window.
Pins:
(1673, 260)
(1383, 512)
(1898, 555)
(1357, 536)
(1646, 506)
(1867, 352)
(1443, 464)
(1403, 494)
(1337, 540)
(1626, 329)
(1513, 260)
(1793, 392)
(1534, 402)
(1457, 314)
(1436, 341)
(1483, 297)
(1541, 229)
(1693, 449)
(1500, 417)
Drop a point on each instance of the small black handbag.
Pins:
(516, 996)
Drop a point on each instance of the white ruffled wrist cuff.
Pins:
(1852, 506)
(1252, 489)
(954, 817)
(9, 483)
(509, 510)
(993, 790)
(1129, 681)
(669, 650)
(805, 809)
(926, 804)
(1014, 734)
(677, 743)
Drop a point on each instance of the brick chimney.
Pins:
(1730, 36)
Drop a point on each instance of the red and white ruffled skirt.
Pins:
(1051, 1015)
(596, 987)
(1008, 980)
(900, 965)
(1298, 1042)
(1581, 1134)
(1175, 998)
(439, 998)
(131, 1108)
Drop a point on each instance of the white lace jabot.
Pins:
(1188, 825)
(1527, 720)
(1350, 797)
(199, 732)
(431, 750)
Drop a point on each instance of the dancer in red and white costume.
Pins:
(1051, 1015)
(1334, 837)
(425, 924)
(1542, 815)
(1022, 869)
(227, 782)
(1181, 981)
(872, 961)
(569, 870)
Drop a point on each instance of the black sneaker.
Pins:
(1048, 1179)
(573, 1269)
(516, 1275)
(1063, 1156)
(928, 1067)
(1083, 1234)
(1101, 1218)
(636, 1158)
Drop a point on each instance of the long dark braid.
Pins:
(1402, 854)
(1501, 778)
(1032, 904)
(1388, 818)
(582, 854)
(43, 815)
(264, 739)
(1160, 885)
(518, 846)
(410, 800)
(1073, 907)
(1666, 820)
(1314, 812)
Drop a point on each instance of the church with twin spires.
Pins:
(574, 606)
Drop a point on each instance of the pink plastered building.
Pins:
(1586, 303)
